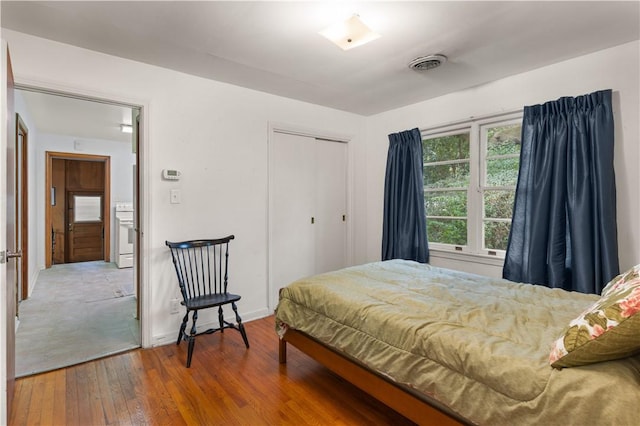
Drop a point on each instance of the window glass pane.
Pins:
(87, 208)
(502, 140)
(452, 147)
(447, 175)
(447, 231)
(502, 171)
(446, 203)
(496, 235)
(498, 204)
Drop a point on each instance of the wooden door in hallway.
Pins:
(56, 223)
(85, 210)
(78, 215)
(85, 226)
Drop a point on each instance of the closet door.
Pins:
(330, 205)
(291, 204)
(307, 203)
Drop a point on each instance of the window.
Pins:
(88, 208)
(470, 175)
(446, 186)
(501, 148)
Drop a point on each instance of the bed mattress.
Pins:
(480, 346)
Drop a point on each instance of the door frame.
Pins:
(142, 206)
(106, 206)
(100, 93)
(23, 220)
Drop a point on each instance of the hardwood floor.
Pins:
(226, 385)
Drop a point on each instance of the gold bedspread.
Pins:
(478, 345)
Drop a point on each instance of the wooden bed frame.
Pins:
(417, 407)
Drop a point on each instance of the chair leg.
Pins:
(192, 338)
(221, 319)
(240, 325)
(183, 326)
(192, 342)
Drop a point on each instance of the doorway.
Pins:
(78, 208)
(81, 302)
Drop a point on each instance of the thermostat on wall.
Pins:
(169, 174)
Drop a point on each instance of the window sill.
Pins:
(467, 257)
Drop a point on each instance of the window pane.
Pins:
(447, 175)
(447, 231)
(453, 147)
(87, 208)
(496, 235)
(498, 204)
(446, 203)
(502, 172)
(503, 140)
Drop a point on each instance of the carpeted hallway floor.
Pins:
(77, 312)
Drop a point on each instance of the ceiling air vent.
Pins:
(425, 63)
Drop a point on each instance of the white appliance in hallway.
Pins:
(124, 235)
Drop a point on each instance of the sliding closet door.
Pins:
(307, 208)
(331, 202)
(292, 199)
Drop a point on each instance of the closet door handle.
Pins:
(313, 220)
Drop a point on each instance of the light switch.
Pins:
(174, 197)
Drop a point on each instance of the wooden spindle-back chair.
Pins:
(202, 270)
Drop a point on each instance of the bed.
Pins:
(446, 347)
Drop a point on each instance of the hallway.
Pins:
(77, 312)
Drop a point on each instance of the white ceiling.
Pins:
(81, 119)
(275, 46)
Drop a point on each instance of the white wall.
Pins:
(216, 134)
(616, 68)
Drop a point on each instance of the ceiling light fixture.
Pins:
(350, 33)
(126, 128)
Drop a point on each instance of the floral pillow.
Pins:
(609, 329)
(622, 279)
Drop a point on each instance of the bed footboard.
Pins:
(405, 401)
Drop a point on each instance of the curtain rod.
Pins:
(472, 118)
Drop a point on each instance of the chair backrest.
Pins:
(201, 266)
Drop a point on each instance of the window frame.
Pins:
(477, 129)
(451, 131)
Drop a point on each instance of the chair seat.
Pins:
(209, 300)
